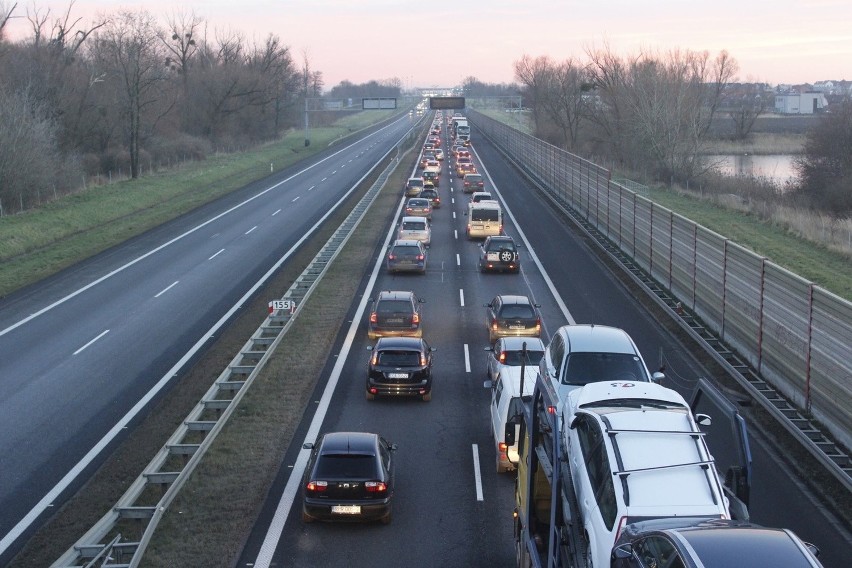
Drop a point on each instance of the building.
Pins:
(800, 103)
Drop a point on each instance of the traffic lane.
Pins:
(605, 300)
(435, 497)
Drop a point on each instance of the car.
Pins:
(499, 254)
(400, 366)
(432, 196)
(484, 219)
(432, 166)
(439, 154)
(473, 183)
(427, 184)
(463, 153)
(464, 169)
(478, 196)
(395, 313)
(413, 186)
(511, 352)
(512, 315)
(425, 157)
(428, 146)
(432, 176)
(418, 207)
(435, 140)
(415, 229)
(717, 543)
(506, 409)
(635, 453)
(406, 255)
(583, 353)
(349, 476)
(458, 148)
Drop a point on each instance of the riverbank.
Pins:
(758, 143)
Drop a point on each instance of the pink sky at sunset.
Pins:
(429, 44)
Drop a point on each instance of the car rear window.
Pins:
(400, 358)
(414, 226)
(394, 307)
(494, 246)
(406, 250)
(484, 215)
(473, 177)
(355, 466)
(418, 203)
(585, 368)
(514, 358)
(517, 311)
(415, 182)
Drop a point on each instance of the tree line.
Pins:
(128, 92)
(651, 112)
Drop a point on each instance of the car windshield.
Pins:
(399, 358)
(585, 368)
(517, 311)
(514, 358)
(355, 466)
(413, 226)
(394, 307)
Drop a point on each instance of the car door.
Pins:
(493, 360)
(491, 312)
(496, 422)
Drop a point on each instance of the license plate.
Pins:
(476, 226)
(517, 327)
(346, 509)
(394, 320)
(397, 375)
(493, 256)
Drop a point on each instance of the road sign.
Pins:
(282, 306)
(446, 103)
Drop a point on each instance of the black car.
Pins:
(432, 196)
(406, 255)
(400, 366)
(349, 477)
(395, 313)
(434, 177)
(499, 253)
(709, 543)
(512, 316)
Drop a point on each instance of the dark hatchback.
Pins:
(395, 313)
(349, 477)
(512, 316)
(406, 255)
(499, 254)
(400, 366)
(717, 543)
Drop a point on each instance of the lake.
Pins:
(777, 167)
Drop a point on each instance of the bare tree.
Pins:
(750, 103)
(608, 74)
(565, 99)
(130, 51)
(536, 76)
(180, 40)
(6, 11)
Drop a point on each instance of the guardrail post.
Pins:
(671, 246)
(724, 286)
(760, 315)
(810, 342)
(694, 261)
(651, 243)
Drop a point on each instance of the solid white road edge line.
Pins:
(282, 511)
(532, 254)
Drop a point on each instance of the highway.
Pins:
(82, 353)
(451, 507)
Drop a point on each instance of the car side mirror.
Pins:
(623, 552)
(489, 384)
(489, 348)
(703, 420)
(392, 447)
(308, 446)
(812, 548)
(574, 420)
(657, 377)
(369, 348)
(509, 434)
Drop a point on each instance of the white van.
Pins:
(484, 219)
(507, 408)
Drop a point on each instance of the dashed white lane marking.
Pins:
(92, 341)
(166, 289)
(476, 475)
(217, 254)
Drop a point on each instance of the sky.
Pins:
(439, 44)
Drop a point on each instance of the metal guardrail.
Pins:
(785, 340)
(177, 459)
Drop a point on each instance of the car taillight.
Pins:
(408, 209)
(391, 256)
(374, 360)
(415, 318)
(494, 325)
(376, 486)
(502, 356)
(422, 360)
(502, 447)
(374, 317)
(538, 324)
(420, 257)
(317, 486)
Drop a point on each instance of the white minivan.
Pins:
(507, 408)
(484, 219)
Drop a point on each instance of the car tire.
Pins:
(427, 397)
(370, 396)
(500, 467)
(386, 519)
(306, 518)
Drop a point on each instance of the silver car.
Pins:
(418, 207)
(507, 352)
(415, 229)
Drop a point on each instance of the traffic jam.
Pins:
(610, 468)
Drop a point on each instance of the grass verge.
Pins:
(39, 243)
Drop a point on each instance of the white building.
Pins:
(800, 103)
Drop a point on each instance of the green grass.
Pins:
(41, 242)
(828, 269)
